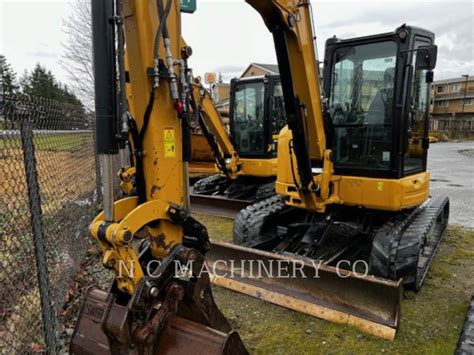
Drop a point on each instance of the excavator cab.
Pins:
(257, 112)
(378, 100)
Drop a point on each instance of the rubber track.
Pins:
(397, 244)
(466, 340)
(208, 185)
(249, 222)
(265, 191)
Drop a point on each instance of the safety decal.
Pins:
(170, 142)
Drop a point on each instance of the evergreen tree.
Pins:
(41, 82)
(8, 84)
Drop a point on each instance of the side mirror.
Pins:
(426, 57)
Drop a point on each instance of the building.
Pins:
(221, 91)
(258, 69)
(452, 107)
(453, 97)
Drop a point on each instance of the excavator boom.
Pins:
(152, 305)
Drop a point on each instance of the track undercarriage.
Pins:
(244, 188)
(392, 245)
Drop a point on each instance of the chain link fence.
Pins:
(48, 196)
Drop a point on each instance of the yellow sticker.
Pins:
(380, 186)
(170, 142)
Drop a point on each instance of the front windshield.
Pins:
(248, 123)
(361, 104)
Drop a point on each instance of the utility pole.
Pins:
(465, 91)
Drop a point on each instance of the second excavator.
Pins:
(256, 116)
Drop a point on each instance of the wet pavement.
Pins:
(452, 175)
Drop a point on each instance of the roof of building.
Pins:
(454, 80)
(270, 68)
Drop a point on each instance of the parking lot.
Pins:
(452, 174)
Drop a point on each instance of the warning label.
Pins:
(170, 142)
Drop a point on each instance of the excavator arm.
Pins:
(210, 120)
(290, 23)
(160, 301)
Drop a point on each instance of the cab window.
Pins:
(361, 104)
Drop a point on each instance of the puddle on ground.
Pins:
(467, 152)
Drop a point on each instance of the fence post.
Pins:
(49, 319)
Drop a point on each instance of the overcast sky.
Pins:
(227, 35)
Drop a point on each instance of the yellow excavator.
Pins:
(256, 116)
(352, 177)
(355, 160)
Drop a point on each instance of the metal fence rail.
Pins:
(48, 195)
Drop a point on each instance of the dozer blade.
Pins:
(217, 206)
(178, 336)
(372, 304)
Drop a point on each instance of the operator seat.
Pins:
(380, 109)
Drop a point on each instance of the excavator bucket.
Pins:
(369, 303)
(171, 312)
(178, 335)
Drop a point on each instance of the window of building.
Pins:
(467, 102)
(455, 87)
(442, 103)
(441, 89)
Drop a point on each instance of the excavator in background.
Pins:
(355, 159)
(256, 116)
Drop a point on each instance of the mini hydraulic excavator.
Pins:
(352, 180)
(256, 116)
(352, 169)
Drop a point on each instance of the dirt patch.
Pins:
(63, 176)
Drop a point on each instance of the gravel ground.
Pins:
(452, 174)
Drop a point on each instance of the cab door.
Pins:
(416, 120)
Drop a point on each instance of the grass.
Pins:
(51, 141)
(430, 320)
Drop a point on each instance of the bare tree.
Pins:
(77, 57)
